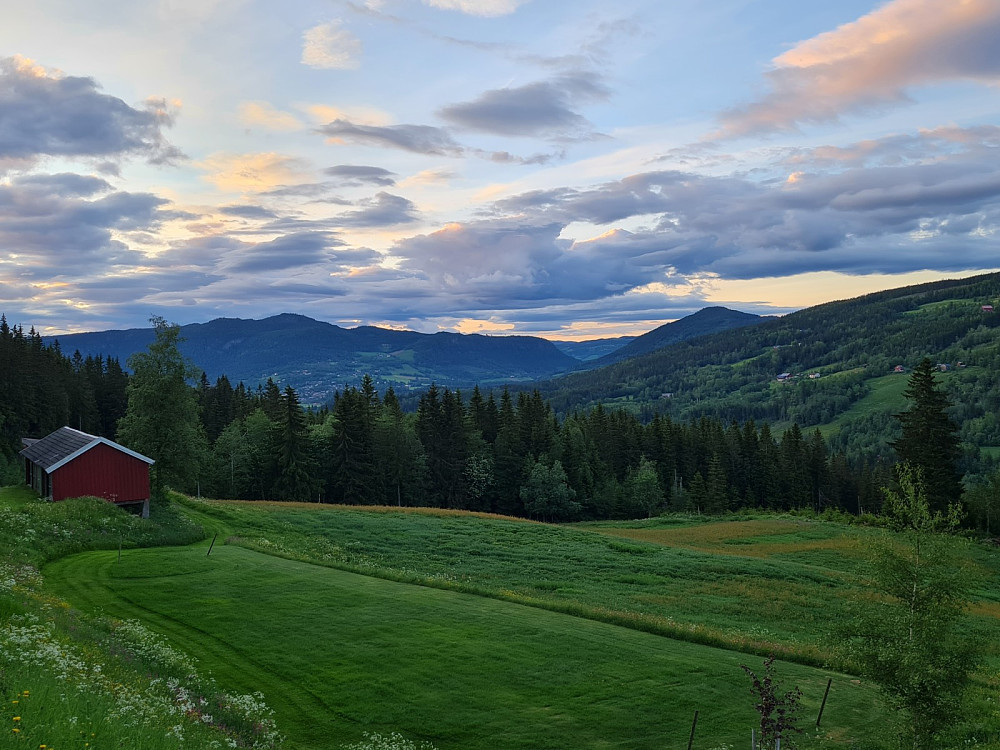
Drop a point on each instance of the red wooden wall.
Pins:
(103, 472)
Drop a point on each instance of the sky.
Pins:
(565, 169)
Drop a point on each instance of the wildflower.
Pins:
(17, 718)
(16, 730)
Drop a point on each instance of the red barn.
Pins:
(71, 463)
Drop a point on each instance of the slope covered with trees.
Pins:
(316, 358)
(811, 367)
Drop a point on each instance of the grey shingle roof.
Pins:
(56, 446)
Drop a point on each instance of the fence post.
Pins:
(693, 725)
(823, 705)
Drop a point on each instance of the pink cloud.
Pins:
(873, 62)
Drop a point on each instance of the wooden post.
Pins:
(212, 544)
(823, 705)
(693, 725)
(119, 549)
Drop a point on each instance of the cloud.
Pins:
(44, 113)
(252, 172)
(264, 115)
(330, 46)
(323, 113)
(488, 8)
(873, 62)
(537, 109)
(906, 215)
(247, 212)
(52, 226)
(381, 211)
(282, 253)
(354, 175)
(428, 177)
(418, 139)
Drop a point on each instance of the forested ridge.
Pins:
(844, 345)
(728, 437)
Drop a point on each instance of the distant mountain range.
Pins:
(317, 358)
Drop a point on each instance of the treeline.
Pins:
(42, 390)
(511, 455)
(496, 451)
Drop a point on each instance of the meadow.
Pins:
(460, 630)
(73, 680)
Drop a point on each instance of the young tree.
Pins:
(930, 439)
(909, 639)
(161, 420)
(778, 713)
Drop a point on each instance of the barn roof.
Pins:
(65, 444)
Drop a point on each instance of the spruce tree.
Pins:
(295, 465)
(930, 440)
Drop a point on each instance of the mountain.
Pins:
(701, 323)
(592, 349)
(840, 366)
(599, 352)
(316, 358)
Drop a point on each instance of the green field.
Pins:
(469, 631)
(338, 653)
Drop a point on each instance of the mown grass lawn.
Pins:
(338, 654)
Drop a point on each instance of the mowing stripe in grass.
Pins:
(337, 653)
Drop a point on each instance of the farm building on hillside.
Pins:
(71, 463)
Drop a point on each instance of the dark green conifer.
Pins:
(930, 440)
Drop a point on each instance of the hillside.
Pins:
(592, 349)
(340, 593)
(702, 323)
(834, 356)
(317, 358)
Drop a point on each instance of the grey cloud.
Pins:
(538, 109)
(940, 215)
(294, 251)
(247, 212)
(306, 190)
(419, 139)
(505, 157)
(44, 115)
(60, 224)
(64, 183)
(354, 175)
(383, 210)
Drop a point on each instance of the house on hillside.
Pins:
(71, 463)
(987, 308)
